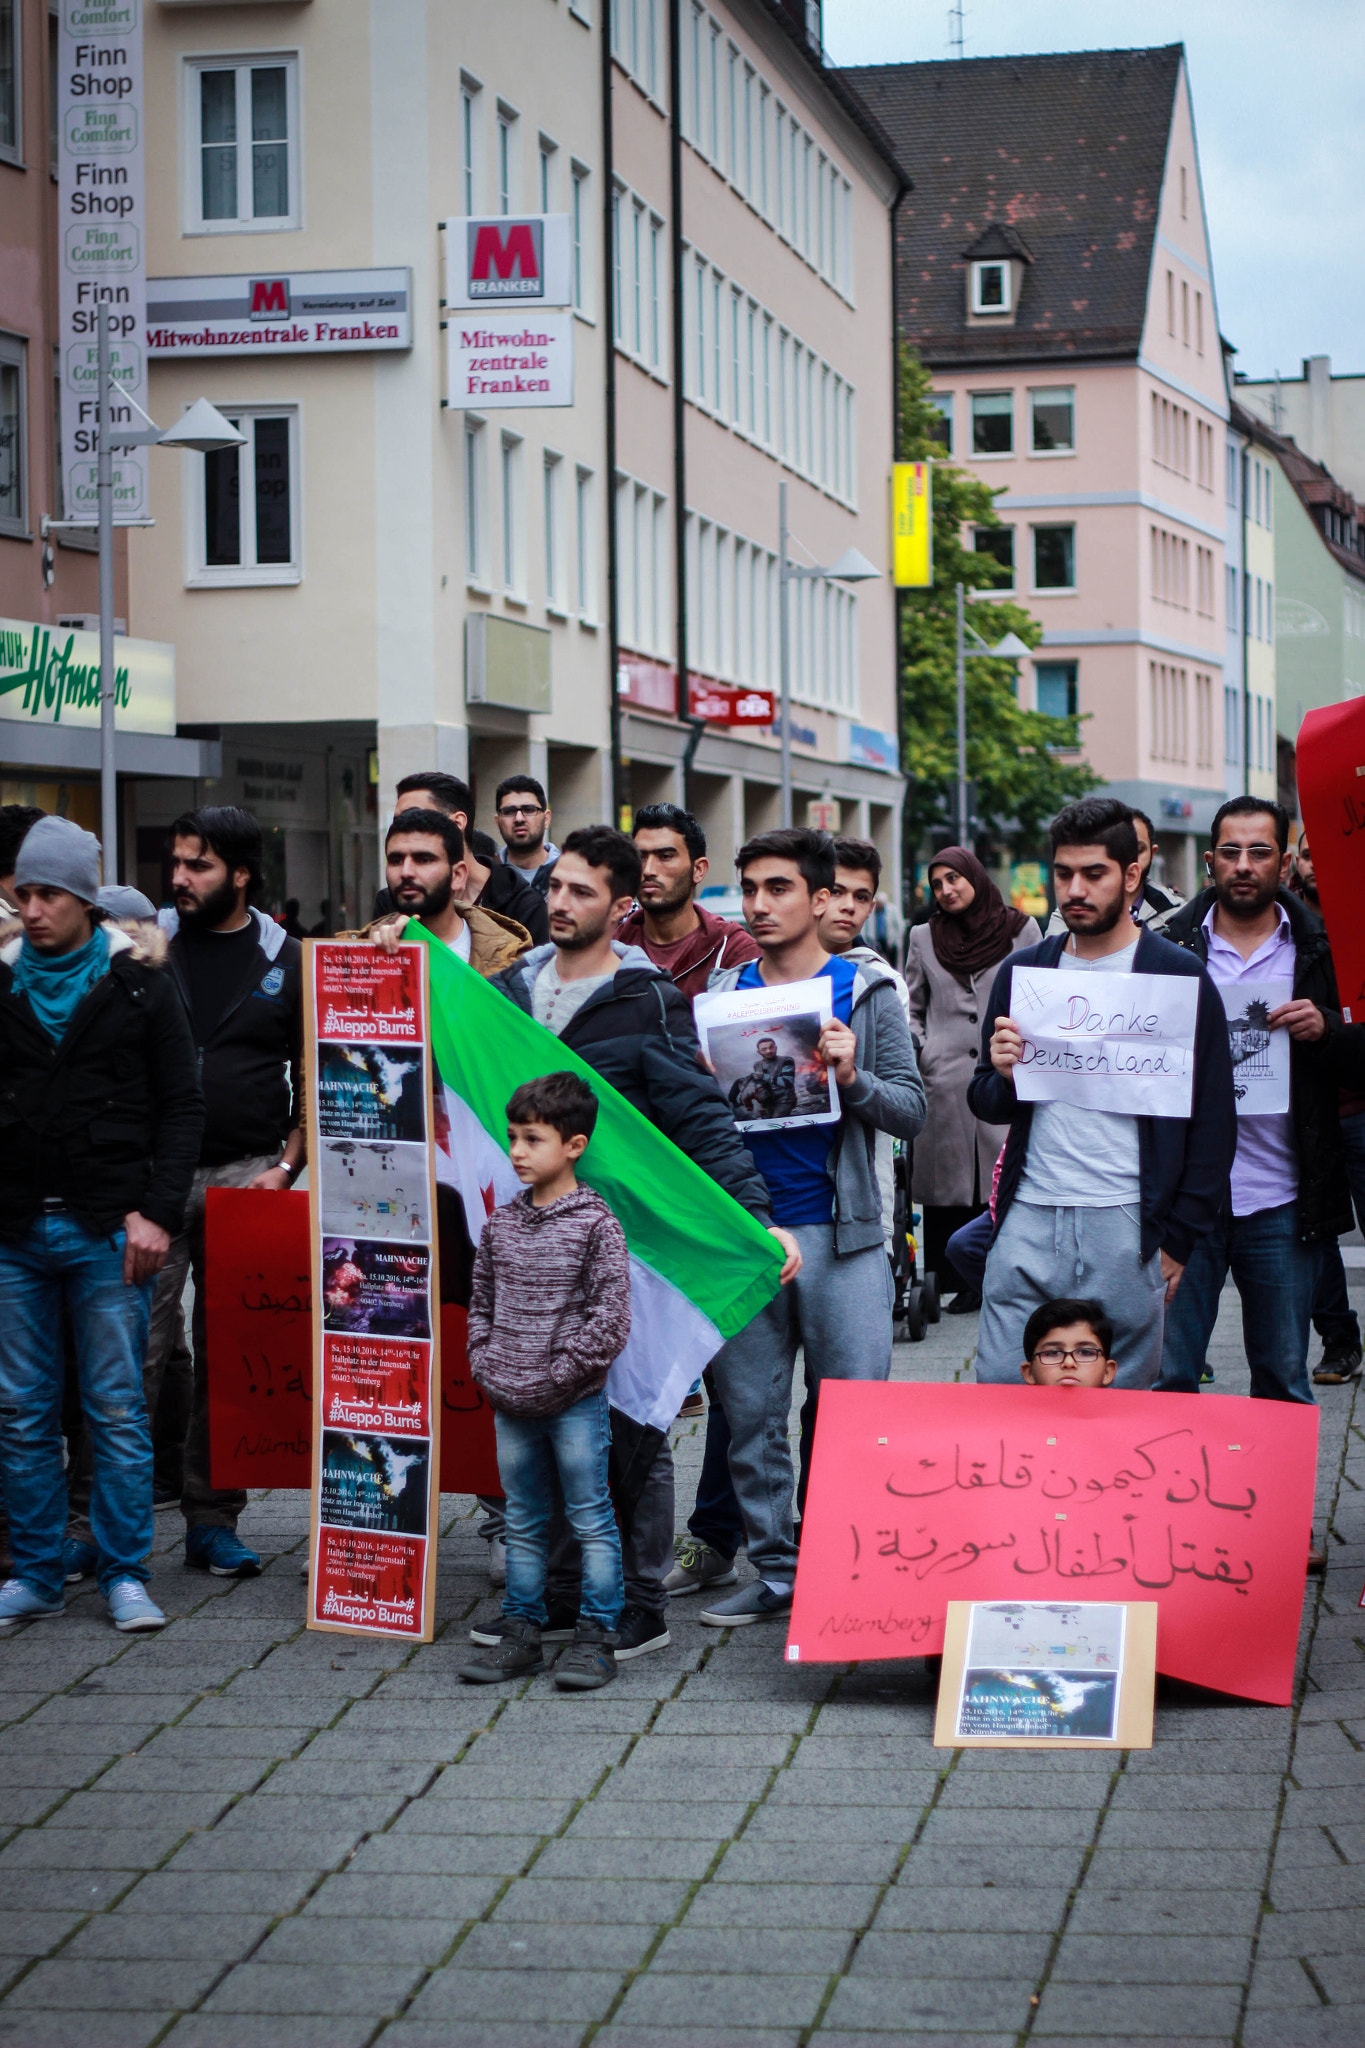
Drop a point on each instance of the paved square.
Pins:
(238, 1835)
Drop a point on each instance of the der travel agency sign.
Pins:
(504, 347)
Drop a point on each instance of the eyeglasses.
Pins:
(521, 810)
(1257, 853)
(1056, 1354)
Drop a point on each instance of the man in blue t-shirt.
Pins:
(822, 1179)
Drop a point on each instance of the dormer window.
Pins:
(991, 287)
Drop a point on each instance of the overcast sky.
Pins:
(1278, 89)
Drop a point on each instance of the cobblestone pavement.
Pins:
(238, 1835)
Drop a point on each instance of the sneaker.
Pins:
(165, 1497)
(220, 1551)
(698, 1565)
(1340, 1363)
(964, 1303)
(639, 1631)
(21, 1602)
(497, 1561)
(79, 1560)
(589, 1661)
(131, 1608)
(693, 1405)
(1206, 1376)
(516, 1654)
(559, 1628)
(755, 1602)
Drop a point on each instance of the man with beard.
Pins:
(523, 818)
(679, 935)
(769, 1087)
(627, 1020)
(489, 882)
(1287, 1197)
(240, 977)
(1095, 1202)
(426, 867)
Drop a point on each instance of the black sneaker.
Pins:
(589, 1661)
(1340, 1362)
(559, 1628)
(639, 1631)
(516, 1655)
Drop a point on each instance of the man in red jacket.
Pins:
(670, 925)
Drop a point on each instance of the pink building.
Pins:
(1054, 272)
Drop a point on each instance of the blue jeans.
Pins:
(574, 1443)
(716, 1518)
(1276, 1275)
(58, 1262)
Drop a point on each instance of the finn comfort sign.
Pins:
(301, 312)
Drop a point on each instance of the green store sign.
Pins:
(51, 675)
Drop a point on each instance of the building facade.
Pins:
(1321, 411)
(1055, 274)
(390, 576)
(1319, 605)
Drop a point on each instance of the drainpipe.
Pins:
(618, 788)
(909, 862)
(675, 181)
(1246, 668)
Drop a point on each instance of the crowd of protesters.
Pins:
(147, 1056)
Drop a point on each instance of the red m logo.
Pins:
(269, 295)
(510, 255)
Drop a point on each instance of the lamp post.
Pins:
(202, 428)
(851, 567)
(1011, 648)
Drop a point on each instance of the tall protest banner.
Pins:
(102, 231)
(376, 1293)
(920, 1495)
(1331, 772)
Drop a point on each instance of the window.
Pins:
(1230, 597)
(1054, 557)
(578, 230)
(990, 287)
(507, 159)
(1056, 681)
(992, 423)
(1170, 304)
(475, 504)
(584, 585)
(11, 82)
(617, 281)
(513, 568)
(1185, 313)
(1199, 322)
(247, 529)
(656, 291)
(1203, 720)
(554, 534)
(547, 154)
(13, 436)
(942, 429)
(1270, 611)
(1054, 420)
(1233, 466)
(637, 236)
(469, 152)
(1183, 203)
(244, 120)
(998, 543)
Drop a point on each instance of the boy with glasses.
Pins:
(1068, 1344)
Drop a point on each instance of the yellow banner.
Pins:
(912, 525)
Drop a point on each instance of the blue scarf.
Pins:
(56, 983)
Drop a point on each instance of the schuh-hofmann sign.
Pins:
(294, 313)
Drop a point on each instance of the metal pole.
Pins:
(962, 820)
(784, 653)
(105, 495)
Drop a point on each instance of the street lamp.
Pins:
(851, 567)
(204, 429)
(1011, 648)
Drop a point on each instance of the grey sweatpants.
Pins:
(1042, 1254)
(839, 1310)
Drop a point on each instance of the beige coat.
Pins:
(945, 1019)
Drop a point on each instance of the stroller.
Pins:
(916, 1303)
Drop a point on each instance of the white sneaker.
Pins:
(131, 1608)
(497, 1561)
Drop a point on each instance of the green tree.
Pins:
(1020, 777)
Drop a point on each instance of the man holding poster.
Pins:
(1122, 1126)
(1287, 1195)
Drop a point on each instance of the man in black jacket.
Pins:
(1287, 1195)
(627, 1020)
(493, 884)
(1094, 1202)
(241, 978)
(100, 1118)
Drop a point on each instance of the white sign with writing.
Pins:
(511, 358)
(1260, 1056)
(1118, 1042)
(51, 675)
(102, 239)
(300, 312)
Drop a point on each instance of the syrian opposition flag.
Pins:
(701, 1267)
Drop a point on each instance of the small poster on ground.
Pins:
(1260, 1056)
(763, 1046)
(375, 1293)
(1036, 1674)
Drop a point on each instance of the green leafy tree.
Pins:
(1020, 777)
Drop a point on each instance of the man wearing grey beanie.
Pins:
(100, 1118)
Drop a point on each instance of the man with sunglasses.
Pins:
(1288, 1195)
(523, 818)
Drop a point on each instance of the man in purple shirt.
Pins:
(1288, 1195)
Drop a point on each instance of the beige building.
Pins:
(387, 576)
(1321, 410)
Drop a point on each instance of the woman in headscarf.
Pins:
(950, 965)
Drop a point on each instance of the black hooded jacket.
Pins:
(1317, 1069)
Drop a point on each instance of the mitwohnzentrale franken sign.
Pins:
(52, 674)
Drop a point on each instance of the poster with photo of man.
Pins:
(763, 1047)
